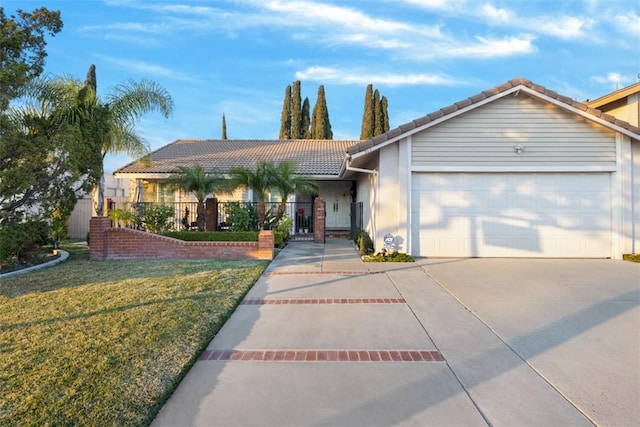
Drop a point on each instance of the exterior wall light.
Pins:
(518, 148)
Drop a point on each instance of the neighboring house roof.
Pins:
(507, 88)
(313, 157)
(614, 96)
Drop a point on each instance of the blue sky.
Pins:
(237, 57)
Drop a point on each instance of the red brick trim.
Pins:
(335, 273)
(323, 355)
(125, 243)
(295, 301)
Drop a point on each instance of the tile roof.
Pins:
(314, 157)
(394, 133)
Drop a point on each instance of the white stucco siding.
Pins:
(366, 185)
(633, 200)
(486, 137)
(394, 195)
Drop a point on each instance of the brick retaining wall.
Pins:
(110, 243)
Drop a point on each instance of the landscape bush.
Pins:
(20, 244)
(156, 218)
(214, 236)
(241, 216)
(363, 241)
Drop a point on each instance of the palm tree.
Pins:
(259, 180)
(286, 182)
(111, 123)
(199, 183)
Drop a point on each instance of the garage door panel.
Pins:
(511, 215)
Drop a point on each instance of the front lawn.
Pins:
(106, 342)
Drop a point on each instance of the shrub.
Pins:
(121, 217)
(156, 219)
(20, 244)
(214, 236)
(278, 239)
(363, 240)
(241, 216)
(284, 227)
(388, 256)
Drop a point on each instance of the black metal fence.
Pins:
(356, 217)
(185, 214)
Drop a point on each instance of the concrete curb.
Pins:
(63, 257)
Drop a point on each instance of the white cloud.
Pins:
(343, 76)
(564, 27)
(613, 77)
(487, 47)
(560, 26)
(629, 22)
(495, 14)
(445, 5)
(146, 68)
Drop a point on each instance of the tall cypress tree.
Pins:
(306, 119)
(377, 114)
(224, 127)
(91, 80)
(320, 124)
(296, 112)
(385, 114)
(285, 117)
(366, 130)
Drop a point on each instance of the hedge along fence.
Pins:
(226, 236)
(109, 243)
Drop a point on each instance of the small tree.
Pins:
(259, 180)
(286, 182)
(200, 183)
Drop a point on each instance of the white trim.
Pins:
(584, 114)
(616, 207)
(409, 190)
(531, 169)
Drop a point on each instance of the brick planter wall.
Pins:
(108, 243)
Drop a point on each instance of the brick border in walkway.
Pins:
(323, 355)
(292, 301)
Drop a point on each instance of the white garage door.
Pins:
(511, 215)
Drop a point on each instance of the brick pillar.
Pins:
(98, 226)
(211, 214)
(319, 214)
(266, 241)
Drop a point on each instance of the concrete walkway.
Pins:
(325, 339)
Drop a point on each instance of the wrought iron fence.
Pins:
(185, 214)
(301, 214)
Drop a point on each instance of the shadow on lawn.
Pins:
(78, 270)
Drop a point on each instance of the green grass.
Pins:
(106, 342)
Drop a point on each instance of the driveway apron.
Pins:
(325, 339)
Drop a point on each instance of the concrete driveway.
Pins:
(323, 339)
(575, 322)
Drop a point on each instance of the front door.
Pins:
(338, 203)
